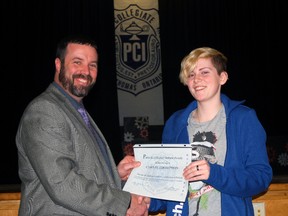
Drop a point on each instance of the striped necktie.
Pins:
(85, 117)
(100, 142)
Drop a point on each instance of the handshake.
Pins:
(139, 205)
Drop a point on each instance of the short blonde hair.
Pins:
(188, 63)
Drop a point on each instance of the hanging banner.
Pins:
(138, 60)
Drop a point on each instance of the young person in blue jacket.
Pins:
(229, 158)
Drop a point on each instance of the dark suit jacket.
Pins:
(60, 164)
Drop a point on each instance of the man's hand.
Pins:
(126, 165)
(139, 206)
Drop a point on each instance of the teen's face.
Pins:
(204, 82)
(79, 71)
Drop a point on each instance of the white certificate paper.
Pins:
(161, 172)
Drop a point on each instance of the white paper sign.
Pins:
(161, 172)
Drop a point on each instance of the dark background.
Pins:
(252, 34)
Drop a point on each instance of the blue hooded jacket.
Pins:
(246, 171)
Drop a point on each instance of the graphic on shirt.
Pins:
(202, 148)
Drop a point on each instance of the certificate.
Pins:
(161, 172)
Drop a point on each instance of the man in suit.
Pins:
(65, 164)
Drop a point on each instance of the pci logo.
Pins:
(137, 49)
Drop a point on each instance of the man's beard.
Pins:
(79, 91)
